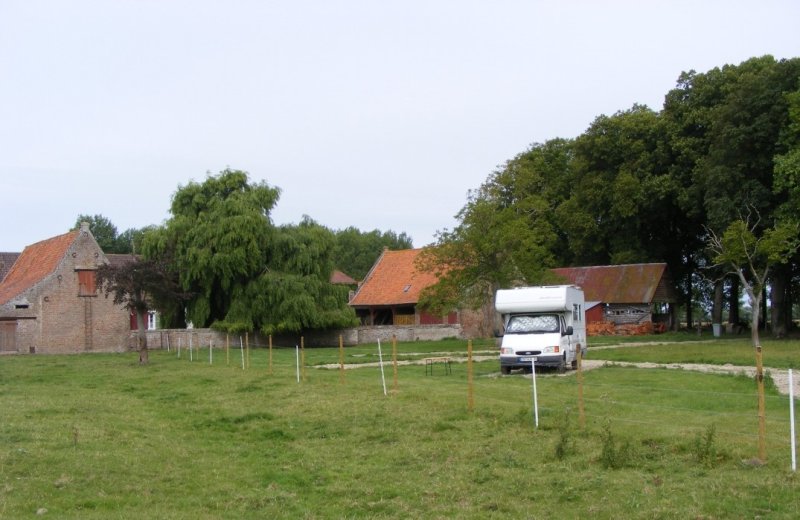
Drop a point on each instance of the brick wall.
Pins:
(59, 321)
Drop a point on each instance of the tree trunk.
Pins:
(754, 294)
(689, 320)
(716, 311)
(789, 305)
(778, 290)
(733, 303)
(674, 322)
(141, 337)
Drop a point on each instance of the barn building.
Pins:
(623, 295)
(390, 292)
(49, 302)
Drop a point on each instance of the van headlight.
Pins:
(506, 351)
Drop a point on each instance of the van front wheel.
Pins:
(505, 370)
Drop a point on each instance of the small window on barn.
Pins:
(87, 283)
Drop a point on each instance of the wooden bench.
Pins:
(429, 362)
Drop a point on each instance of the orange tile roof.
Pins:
(393, 280)
(36, 261)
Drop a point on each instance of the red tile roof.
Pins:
(393, 280)
(632, 283)
(36, 262)
(338, 277)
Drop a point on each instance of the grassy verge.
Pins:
(406, 351)
(667, 337)
(777, 354)
(96, 436)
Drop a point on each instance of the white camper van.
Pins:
(544, 324)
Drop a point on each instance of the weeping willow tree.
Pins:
(245, 273)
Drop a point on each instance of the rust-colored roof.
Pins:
(393, 280)
(36, 262)
(6, 261)
(338, 277)
(631, 283)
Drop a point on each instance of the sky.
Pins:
(374, 114)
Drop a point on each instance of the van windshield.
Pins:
(532, 324)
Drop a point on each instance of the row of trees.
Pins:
(231, 268)
(109, 238)
(718, 166)
(644, 186)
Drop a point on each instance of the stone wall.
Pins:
(161, 339)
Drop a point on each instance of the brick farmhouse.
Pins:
(49, 302)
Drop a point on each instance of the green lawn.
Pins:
(96, 436)
(739, 351)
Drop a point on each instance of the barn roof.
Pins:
(393, 280)
(630, 283)
(6, 261)
(34, 263)
(338, 277)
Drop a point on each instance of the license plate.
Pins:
(529, 359)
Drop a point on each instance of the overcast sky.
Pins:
(375, 114)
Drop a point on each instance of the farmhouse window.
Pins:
(87, 283)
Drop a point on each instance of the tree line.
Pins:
(232, 268)
(645, 186)
(706, 183)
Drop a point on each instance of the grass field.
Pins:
(737, 351)
(96, 436)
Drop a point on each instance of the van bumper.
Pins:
(554, 360)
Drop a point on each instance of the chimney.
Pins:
(84, 227)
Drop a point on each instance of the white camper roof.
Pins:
(538, 299)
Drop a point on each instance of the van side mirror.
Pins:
(568, 331)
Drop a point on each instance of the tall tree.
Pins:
(104, 231)
(243, 272)
(293, 293)
(620, 195)
(505, 234)
(750, 253)
(107, 237)
(217, 238)
(726, 127)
